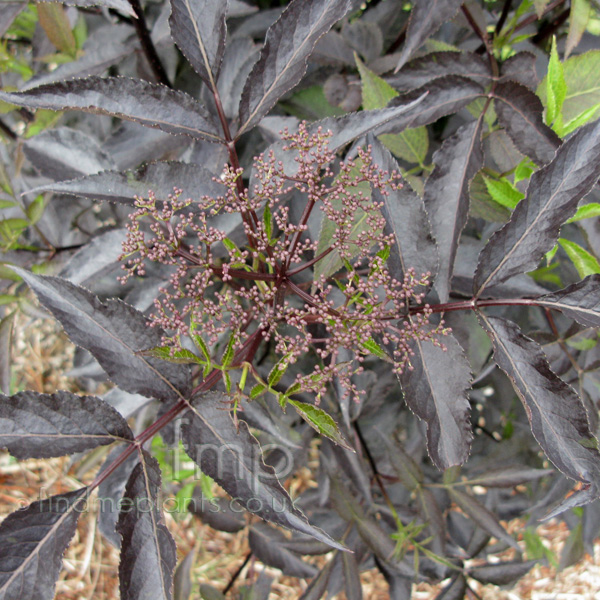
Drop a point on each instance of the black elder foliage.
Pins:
(365, 230)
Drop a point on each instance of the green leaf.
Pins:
(229, 351)
(587, 211)
(579, 18)
(55, 23)
(410, 145)
(556, 87)
(278, 371)
(6, 203)
(584, 262)
(268, 221)
(310, 104)
(503, 192)
(200, 344)
(582, 77)
(183, 356)
(524, 170)
(257, 391)
(376, 93)
(585, 117)
(319, 420)
(374, 348)
(43, 119)
(582, 343)
(35, 210)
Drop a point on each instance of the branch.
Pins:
(141, 28)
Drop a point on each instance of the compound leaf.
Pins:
(447, 195)
(148, 553)
(552, 197)
(198, 28)
(232, 457)
(283, 60)
(114, 333)
(435, 390)
(32, 542)
(556, 414)
(38, 425)
(149, 104)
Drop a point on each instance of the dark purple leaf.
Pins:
(556, 414)
(520, 68)
(64, 153)
(240, 56)
(222, 514)
(159, 177)
(481, 515)
(32, 542)
(318, 586)
(431, 513)
(114, 333)
(105, 47)
(148, 553)
(580, 301)
(149, 104)
(370, 531)
(407, 470)
(520, 111)
(97, 257)
(422, 70)
(447, 196)
(121, 5)
(365, 37)
(586, 494)
(233, 459)
(38, 425)
(352, 583)
(182, 580)
(6, 329)
(198, 28)
(435, 389)
(455, 590)
(505, 477)
(283, 60)
(445, 95)
(503, 573)
(266, 544)
(426, 17)
(110, 492)
(8, 13)
(552, 197)
(406, 220)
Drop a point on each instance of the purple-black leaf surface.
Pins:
(35, 425)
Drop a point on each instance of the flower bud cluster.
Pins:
(352, 303)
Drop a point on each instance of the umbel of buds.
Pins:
(224, 295)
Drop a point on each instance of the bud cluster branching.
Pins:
(229, 292)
